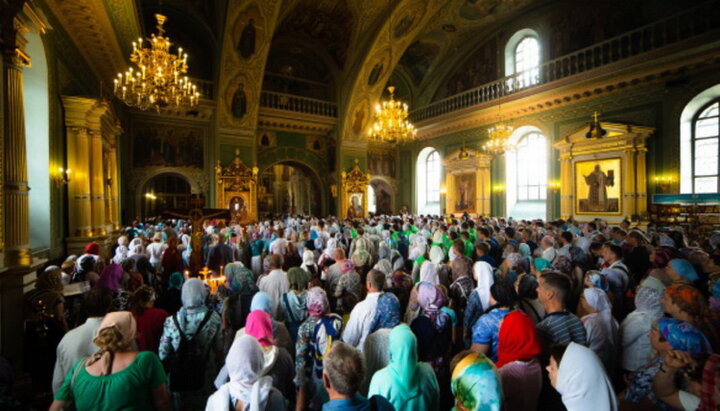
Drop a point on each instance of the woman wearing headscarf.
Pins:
(601, 327)
(115, 377)
(262, 301)
(248, 388)
(526, 287)
(429, 271)
(121, 251)
(479, 300)
(170, 300)
(148, 318)
(486, 329)
(293, 303)
(681, 271)
(308, 265)
(171, 261)
(240, 280)
(86, 270)
(581, 387)
(349, 289)
(667, 334)
(520, 370)
(45, 325)
(687, 303)
(635, 329)
(191, 316)
(406, 383)
(361, 256)
(476, 384)
(315, 336)
(278, 363)
(111, 279)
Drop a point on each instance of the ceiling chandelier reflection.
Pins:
(160, 80)
(391, 121)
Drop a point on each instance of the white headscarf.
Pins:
(598, 300)
(437, 255)
(581, 380)
(308, 260)
(245, 363)
(385, 267)
(429, 272)
(121, 253)
(483, 274)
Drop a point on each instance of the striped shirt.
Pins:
(561, 328)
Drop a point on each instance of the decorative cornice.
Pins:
(89, 25)
(293, 121)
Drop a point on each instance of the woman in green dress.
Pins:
(115, 377)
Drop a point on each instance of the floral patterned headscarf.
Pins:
(476, 384)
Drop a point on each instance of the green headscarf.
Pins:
(404, 359)
(298, 278)
(542, 264)
(176, 281)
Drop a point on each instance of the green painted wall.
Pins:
(226, 154)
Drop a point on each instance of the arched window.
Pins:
(700, 143)
(522, 57)
(429, 177)
(706, 135)
(526, 171)
(37, 132)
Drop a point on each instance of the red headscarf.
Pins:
(518, 340)
(709, 375)
(259, 325)
(92, 248)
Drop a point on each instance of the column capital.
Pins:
(77, 110)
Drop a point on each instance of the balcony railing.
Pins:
(289, 102)
(690, 23)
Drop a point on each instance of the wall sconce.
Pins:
(62, 177)
(150, 196)
(554, 186)
(663, 182)
(498, 188)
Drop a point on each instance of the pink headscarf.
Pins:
(347, 266)
(317, 302)
(259, 325)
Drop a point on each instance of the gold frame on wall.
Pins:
(610, 171)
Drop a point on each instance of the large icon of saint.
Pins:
(597, 183)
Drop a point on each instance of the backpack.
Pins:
(187, 372)
(326, 331)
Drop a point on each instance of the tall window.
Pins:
(527, 58)
(429, 178)
(705, 139)
(432, 176)
(531, 166)
(526, 170)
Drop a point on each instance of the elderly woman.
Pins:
(196, 320)
(601, 327)
(261, 301)
(240, 280)
(635, 329)
(349, 289)
(407, 383)
(293, 303)
(314, 338)
(687, 303)
(580, 386)
(115, 377)
(248, 388)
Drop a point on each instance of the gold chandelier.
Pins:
(159, 80)
(498, 139)
(391, 121)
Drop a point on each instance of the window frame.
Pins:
(693, 138)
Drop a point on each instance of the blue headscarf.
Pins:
(684, 336)
(261, 301)
(684, 269)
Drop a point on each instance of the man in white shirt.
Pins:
(78, 342)
(275, 283)
(280, 245)
(362, 316)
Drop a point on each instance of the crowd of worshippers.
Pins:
(404, 313)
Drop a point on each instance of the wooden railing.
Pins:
(693, 22)
(281, 101)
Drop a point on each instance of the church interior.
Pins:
(530, 109)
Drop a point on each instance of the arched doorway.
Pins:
(382, 194)
(289, 187)
(165, 191)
